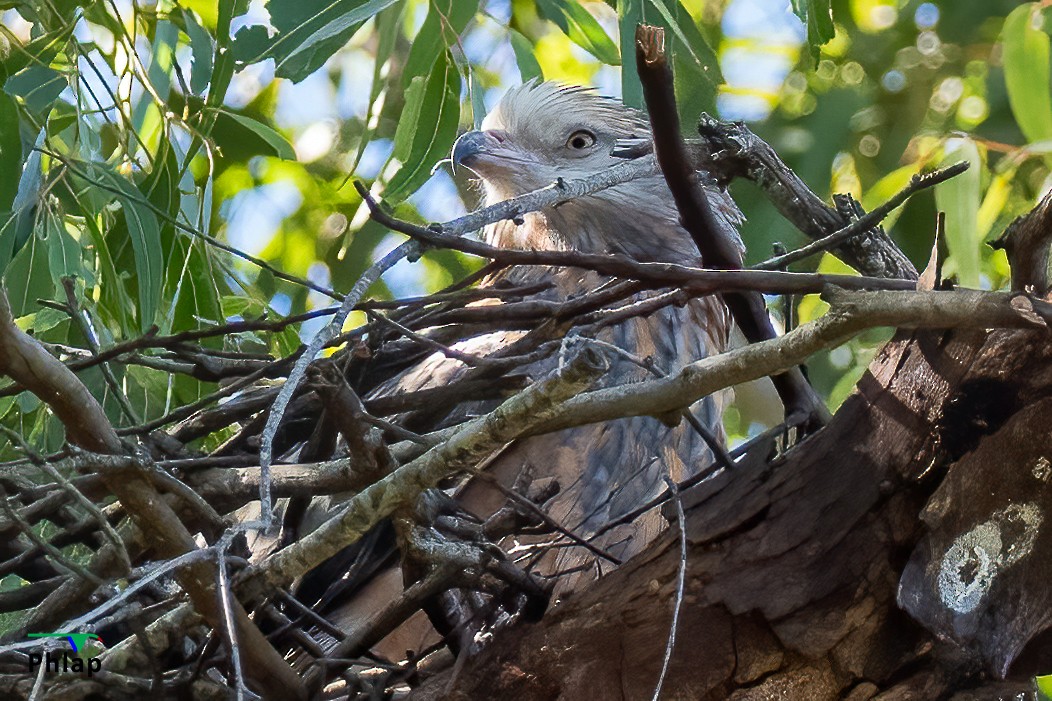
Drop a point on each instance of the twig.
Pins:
(557, 193)
(68, 487)
(700, 281)
(409, 249)
(83, 322)
(472, 441)
(919, 182)
(54, 553)
(225, 598)
(681, 582)
(850, 314)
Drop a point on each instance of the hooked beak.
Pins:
(477, 146)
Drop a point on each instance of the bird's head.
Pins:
(542, 131)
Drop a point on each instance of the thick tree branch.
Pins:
(717, 247)
(849, 314)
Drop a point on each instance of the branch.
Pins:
(850, 314)
(919, 182)
(471, 442)
(739, 152)
(27, 363)
(715, 244)
(553, 195)
(409, 249)
(697, 280)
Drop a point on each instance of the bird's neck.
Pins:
(591, 225)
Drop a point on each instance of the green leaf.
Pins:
(308, 33)
(63, 251)
(445, 20)
(16, 226)
(582, 28)
(434, 109)
(145, 234)
(478, 105)
(271, 142)
(201, 53)
(38, 86)
(388, 23)
(207, 10)
(630, 14)
(695, 63)
(529, 68)
(959, 198)
(1044, 687)
(40, 51)
(405, 133)
(1026, 65)
(885, 188)
(10, 152)
(818, 16)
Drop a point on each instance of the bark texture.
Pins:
(901, 553)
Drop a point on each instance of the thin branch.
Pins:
(409, 249)
(718, 248)
(471, 441)
(921, 181)
(850, 314)
(699, 281)
(681, 582)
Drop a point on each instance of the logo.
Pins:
(66, 662)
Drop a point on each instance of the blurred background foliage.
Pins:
(136, 136)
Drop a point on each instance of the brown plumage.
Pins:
(538, 133)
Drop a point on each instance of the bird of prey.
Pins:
(540, 132)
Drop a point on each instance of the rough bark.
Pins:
(928, 490)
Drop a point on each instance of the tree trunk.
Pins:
(900, 552)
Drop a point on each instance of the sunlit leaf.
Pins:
(37, 85)
(63, 251)
(308, 33)
(201, 53)
(437, 106)
(1044, 687)
(582, 28)
(1026, 66)
(885, 188)
(959, 198)
(145, 234)
(818, 16)
(445, 20)
(524, 57)
(274, 144)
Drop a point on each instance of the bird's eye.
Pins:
(580, 140)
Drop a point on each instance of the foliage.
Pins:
(132, 136)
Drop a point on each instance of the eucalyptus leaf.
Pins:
(308, 33)
(274, 143)
(529, 68)
(38, 86)
(582, 28)
(1026, 66)
(438, 109)
(145, 235)
(63, 251)
(441, 29)
(959, 198)
(201, 53)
